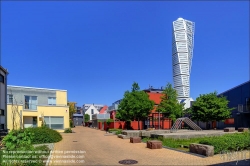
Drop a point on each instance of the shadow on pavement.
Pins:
(239, 163)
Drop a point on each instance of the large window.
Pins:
(51, 101)
(10, 98)
(30, 102)
(248, 104)
(1, 78)
(1, 112)
(54, 122)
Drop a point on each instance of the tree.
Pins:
(169, 103)
(86, 117)
(72, 109)
(134, 105)
(209, 107)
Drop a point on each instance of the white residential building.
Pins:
(92, 109)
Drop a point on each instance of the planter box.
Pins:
(135, 139)
(154, 144)
(229, 129)
(242, 129)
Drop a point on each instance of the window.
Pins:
(248, 104)
(92, 111)
(9, 98)
(1, 78)
(1, 126)
(51, 101)
(54, 122)
(1, 112)
(30, 102)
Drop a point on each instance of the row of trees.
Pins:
(136, 105)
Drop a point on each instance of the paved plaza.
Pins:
(94, 147)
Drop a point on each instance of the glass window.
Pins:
(248, 104)
(51, 101)
(92, 111)
(54, 122)
(1, 78)
(1, 112)
(9, 98)
(30, 102)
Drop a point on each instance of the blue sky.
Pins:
(96, 50)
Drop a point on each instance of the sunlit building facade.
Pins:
(182, 54)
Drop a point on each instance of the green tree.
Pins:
(72, 109)
(86, 117)
(135, 105)
(209, 107)
(169, 103)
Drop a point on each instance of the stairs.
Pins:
(189, 122)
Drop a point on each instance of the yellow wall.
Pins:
(10, 116)
(45, 110)
(61, 98)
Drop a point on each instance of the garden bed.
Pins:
(228, 142)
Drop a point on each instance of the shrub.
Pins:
(36, 156)
(228, 142)
(44, 135)
(68, 130)
(109, 121)
(71, 123)
(19, 140)
(118, 132)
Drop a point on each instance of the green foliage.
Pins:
(135, 105)
(18, 140)
(118, 132)
(110, 130)
(224, 143)
(228, 142)
(209, 107)
(109, 121)
(169, 103)
(72, 109)
(86, 117)
(71, 123)
(68, 130)
(44, 135)
(36, 156)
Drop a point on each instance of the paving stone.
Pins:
(102, 150)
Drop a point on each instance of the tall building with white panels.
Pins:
(182, 53)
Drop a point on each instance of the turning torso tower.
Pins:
(182, 54)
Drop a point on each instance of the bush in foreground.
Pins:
(44, 135)
(68, 130)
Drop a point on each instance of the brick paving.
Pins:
(102, 149)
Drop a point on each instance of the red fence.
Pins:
(133, 124)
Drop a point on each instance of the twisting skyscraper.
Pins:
(182, 53)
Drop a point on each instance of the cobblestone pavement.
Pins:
(97, 148)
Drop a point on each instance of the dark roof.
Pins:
(153, 90)
(77, 114)
(235, 87)
(4, 70)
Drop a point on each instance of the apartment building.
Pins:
(3, 93)
(30, 106)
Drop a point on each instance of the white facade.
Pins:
(182, 53)
(90, 110)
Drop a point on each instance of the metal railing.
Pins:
(189, 122)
